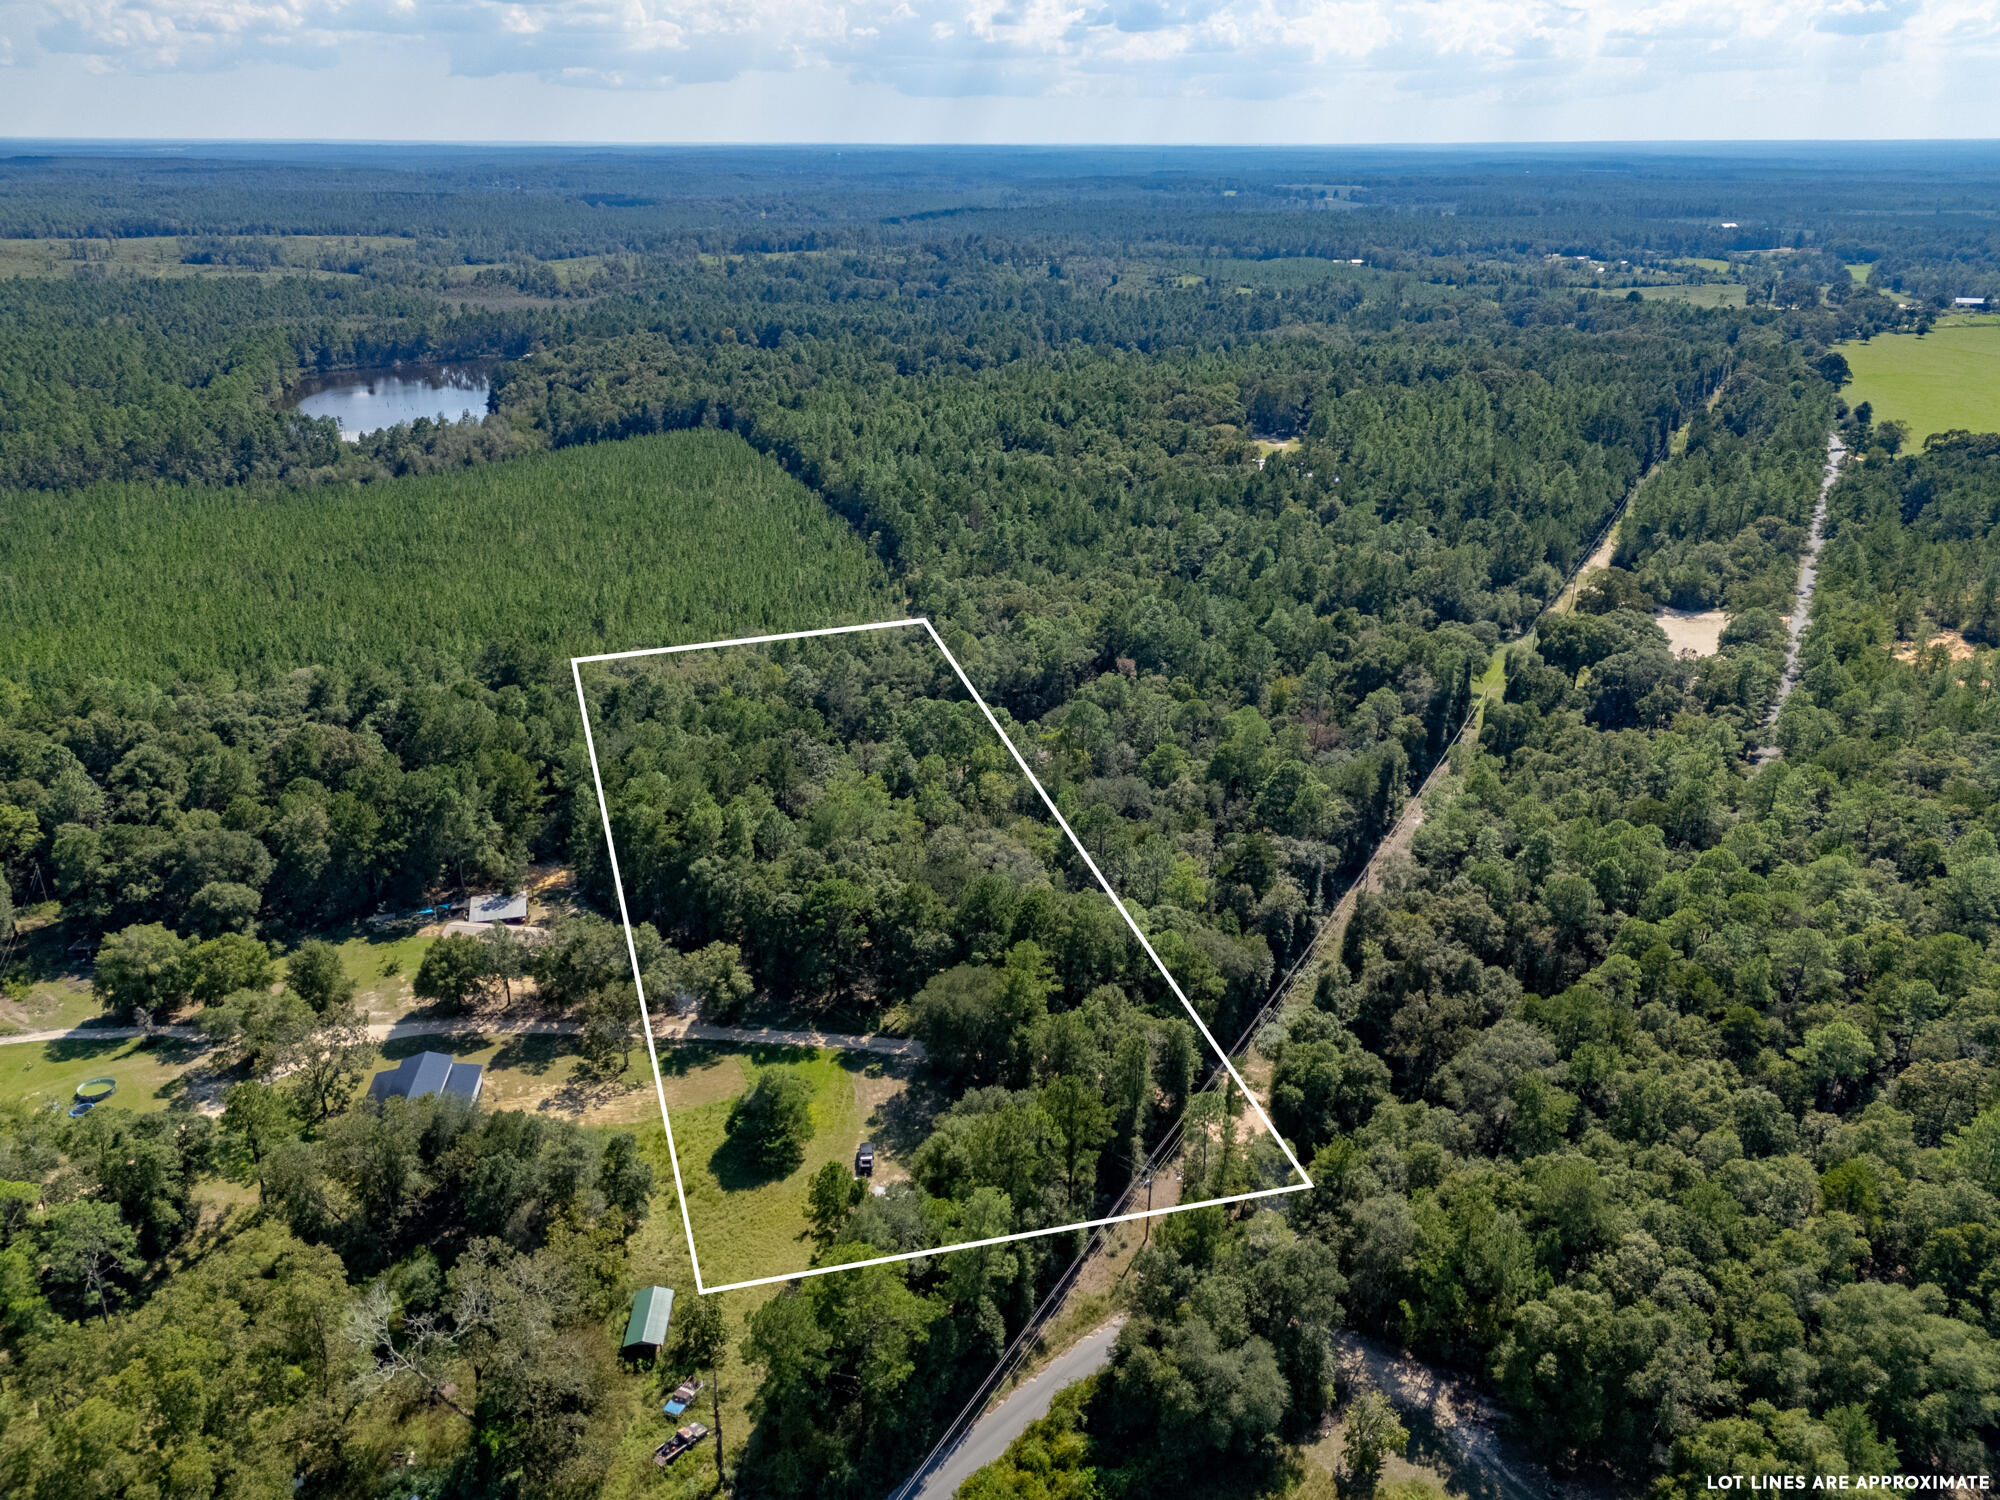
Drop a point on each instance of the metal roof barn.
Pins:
(652, 1310)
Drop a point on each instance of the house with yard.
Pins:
(428, 1073)
(646, 1329)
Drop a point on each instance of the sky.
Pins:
(982, 71)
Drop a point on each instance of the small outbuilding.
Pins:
(652, 1311)
(428, 1073)
(1968, 302)
(494, 907)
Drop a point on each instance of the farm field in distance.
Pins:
(1934, 382)
(1695, 294)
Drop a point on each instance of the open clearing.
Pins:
(1956, 647)
(160, 255)
(1933, 382)
(746, 1223)
(1697, 294)
(151, 1075)
(1693, 632)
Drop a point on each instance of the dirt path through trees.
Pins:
(1802, 607)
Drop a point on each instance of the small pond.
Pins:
(365, 401)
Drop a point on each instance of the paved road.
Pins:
(990, 1435)
(384, 1031)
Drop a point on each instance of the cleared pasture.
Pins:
(748, 1223)
(1933, 382)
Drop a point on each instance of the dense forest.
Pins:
(1651, 1087)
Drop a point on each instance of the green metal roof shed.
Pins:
(652, 1308)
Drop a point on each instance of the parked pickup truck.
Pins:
(682, 1397)
(679, 1443)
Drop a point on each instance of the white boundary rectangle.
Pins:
(576, 665)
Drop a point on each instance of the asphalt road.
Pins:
(991, 1434)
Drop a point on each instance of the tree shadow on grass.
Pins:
(398, 1048)
(80, 1049)
(683, 1055)
(771, 1054)
(740, 1167)
(533, 1052)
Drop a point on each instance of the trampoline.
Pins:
(91, 1093)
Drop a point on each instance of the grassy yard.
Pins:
(541, 1074)
(150, 1076)
(658, 1255)
(746, 1224)
(535, 1073)
(47, 1005)
(744, 1230)
(382, 966)
(1949, 377)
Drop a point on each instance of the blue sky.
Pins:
(1246, 71)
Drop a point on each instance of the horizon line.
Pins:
(1494, 143)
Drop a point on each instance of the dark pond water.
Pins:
(365, 401)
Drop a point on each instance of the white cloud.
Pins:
(1223, 49)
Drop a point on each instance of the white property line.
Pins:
(631, 947)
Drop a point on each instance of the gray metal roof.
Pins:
(494, 907)
(427, 1073)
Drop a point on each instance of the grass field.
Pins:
(747, 1225)
(740, 1234)
(160, 255)
(1949, 377)
(658, 1255)
(1697, 294)
(651, 541)
(150, 1076)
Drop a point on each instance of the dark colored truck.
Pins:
(679, 1443)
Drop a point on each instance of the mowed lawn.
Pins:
(747, 1224)
(1947, 378)
(150, 1076)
